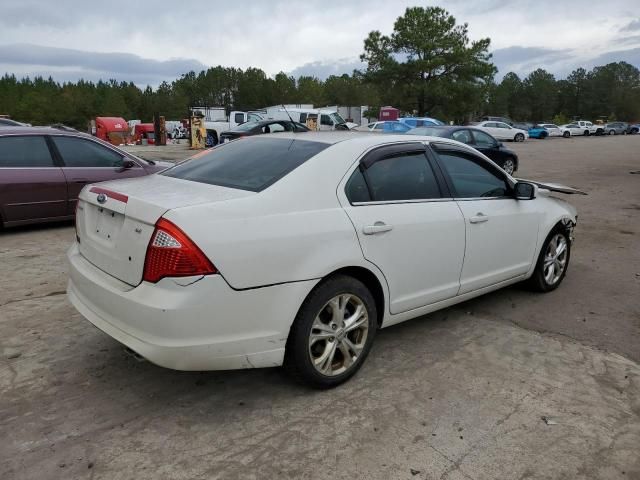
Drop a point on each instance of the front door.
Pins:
(32, 187)
(406, 224)
(501, 231)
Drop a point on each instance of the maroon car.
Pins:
(42, 171)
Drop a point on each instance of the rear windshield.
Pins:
(248, 164)
(427, 131)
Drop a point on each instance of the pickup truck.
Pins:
(214, 129)
(589, 128)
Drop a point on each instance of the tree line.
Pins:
(426, 66)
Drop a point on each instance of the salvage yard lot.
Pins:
(456, 394)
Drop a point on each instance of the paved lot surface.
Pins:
(456, 394)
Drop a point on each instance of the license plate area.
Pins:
(106, 226)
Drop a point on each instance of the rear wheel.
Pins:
(612, 132)
(552, 262)
(566, 134)
(332, 333)
(586, 133)
(519, 137)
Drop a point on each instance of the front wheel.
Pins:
(552, 262)
(612, 132)
(332, 333)
(566, 134)
(519, 137)
(509, 166)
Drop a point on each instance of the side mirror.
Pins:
(126, 165)
(524, 191)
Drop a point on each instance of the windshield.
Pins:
(337, 119)
(253, 164)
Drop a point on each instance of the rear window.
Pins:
(249, 164)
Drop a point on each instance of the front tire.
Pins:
(553, 261)
(332, 333)
(566, 134)
(519, 137)
(612, 132)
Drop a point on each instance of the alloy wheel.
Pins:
(338, 334)
(508, 166)
(555, 259)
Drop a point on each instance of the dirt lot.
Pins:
(456, 394)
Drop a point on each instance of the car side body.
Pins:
(42, 171)
(271, 248)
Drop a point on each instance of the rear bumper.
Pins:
(197, 323)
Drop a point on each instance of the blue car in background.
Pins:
(420, 121)
(389, 126)
(535, 131)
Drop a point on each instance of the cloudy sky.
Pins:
(148, 42)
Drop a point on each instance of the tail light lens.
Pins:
(171, 253)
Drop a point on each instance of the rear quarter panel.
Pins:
(294, 230)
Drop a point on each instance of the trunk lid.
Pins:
(115, 220)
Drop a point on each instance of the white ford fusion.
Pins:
(294, 249)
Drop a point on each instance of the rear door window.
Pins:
(463, 136)
(29, 151)
(404, 176)
(252, 164)
(81, 153)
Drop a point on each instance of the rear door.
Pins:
(32, 186)
(86, 161)
(406, 224)
(501, 232)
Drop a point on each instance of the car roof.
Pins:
(38, 131)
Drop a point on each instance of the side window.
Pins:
(406, 176)
(325, 120)
(502, 125)
(411, 123)
(303, 118)
(24, 152)
(238, 118)
(277, 127)
(356, 189)
(470, 177)
(78, 152)
(491, 124)
(379, 126)
(483, 139)
(463, 136)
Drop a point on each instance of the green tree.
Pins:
(424, 57)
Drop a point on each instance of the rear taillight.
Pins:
(172, 254)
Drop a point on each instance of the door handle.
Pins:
(81, 180)
(378, 227)
(479, 218)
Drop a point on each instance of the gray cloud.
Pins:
(632, 26)
(631, 56)
(523, 60)
(116, 63)
(324, 69)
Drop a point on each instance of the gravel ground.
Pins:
(460, 393)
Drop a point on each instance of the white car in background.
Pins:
(553, 129)
(503, 131)
(294, 249)
(572, 129)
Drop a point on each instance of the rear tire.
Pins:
(553, 261)
(509, 166)
(332, 333)
(612, 132)
(566, 134)
(586, 133)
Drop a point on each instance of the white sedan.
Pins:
(503, 131)
(293, 250)
(572, 129)
(553, 129)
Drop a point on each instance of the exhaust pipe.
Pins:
(136, 356)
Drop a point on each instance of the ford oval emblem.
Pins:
(102, 198)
